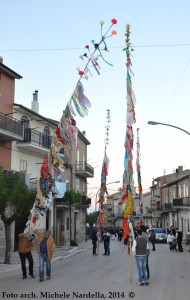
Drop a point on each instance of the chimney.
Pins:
(35, 104)
(1, 59)
(180, 169)
(35, 96)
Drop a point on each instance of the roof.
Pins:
(4, 69)
(176, 180)
(31, 113)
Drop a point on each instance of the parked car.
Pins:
(161, 236)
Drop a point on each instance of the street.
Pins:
(84, 276)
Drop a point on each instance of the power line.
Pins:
(75, 48)
(176, 88)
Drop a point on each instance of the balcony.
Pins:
(181, 202)
(109, 206)
(10, 129)
(167, 207)
(84, 170)
(111, 217)
(35, 141)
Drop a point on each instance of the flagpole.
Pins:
(103, 187)
(128, 183)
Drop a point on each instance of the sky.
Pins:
(42, 41)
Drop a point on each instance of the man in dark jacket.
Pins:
(152, 239)
(94, 241)
(179, 240)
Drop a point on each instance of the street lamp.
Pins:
(158, 123)
(99, 190)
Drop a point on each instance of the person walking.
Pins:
(94, 241)
(46, 247)
(120, 234)
(145, 235)
(106, 238)
(25, 247)
(179, 240)
(152, 239)
(140, 249)
(170, 239)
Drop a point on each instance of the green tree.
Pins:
(15, 200)
(72, 198)
(91, 218)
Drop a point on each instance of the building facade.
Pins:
(170, 200)
(25, 139)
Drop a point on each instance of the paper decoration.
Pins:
(103, 188)
(128, 183)
(139, 180)
(65, 136)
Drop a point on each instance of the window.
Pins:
(77, 185)
(26, 128)
(179, 191)
(23, 165)
(186, 191)
(46, 137)
(171, 195)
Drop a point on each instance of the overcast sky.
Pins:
(42, 41)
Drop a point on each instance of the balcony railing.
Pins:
(84, 169)
(167, 206)
(181, 201)
(109, 206)
(10, 129)
(36, 137)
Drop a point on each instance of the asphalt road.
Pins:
(84, 276)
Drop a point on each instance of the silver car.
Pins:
(161, 236)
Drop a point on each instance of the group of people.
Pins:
(174, 239)
(141, 249)
(46, 247)
(104, 237)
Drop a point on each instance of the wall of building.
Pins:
(7, 89)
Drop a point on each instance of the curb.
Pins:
(16, 266)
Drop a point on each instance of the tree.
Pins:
(91, 218)
(15, 200)
(72, 198)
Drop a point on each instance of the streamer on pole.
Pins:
(128, 183)
(139, 180)
(103, 188)
(65, 136)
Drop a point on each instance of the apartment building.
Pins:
(170, 200)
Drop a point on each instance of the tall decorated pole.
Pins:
(128, 183)
(138, 166)
(103, 187)
(65, 136)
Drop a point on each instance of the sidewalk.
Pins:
(61, 252)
